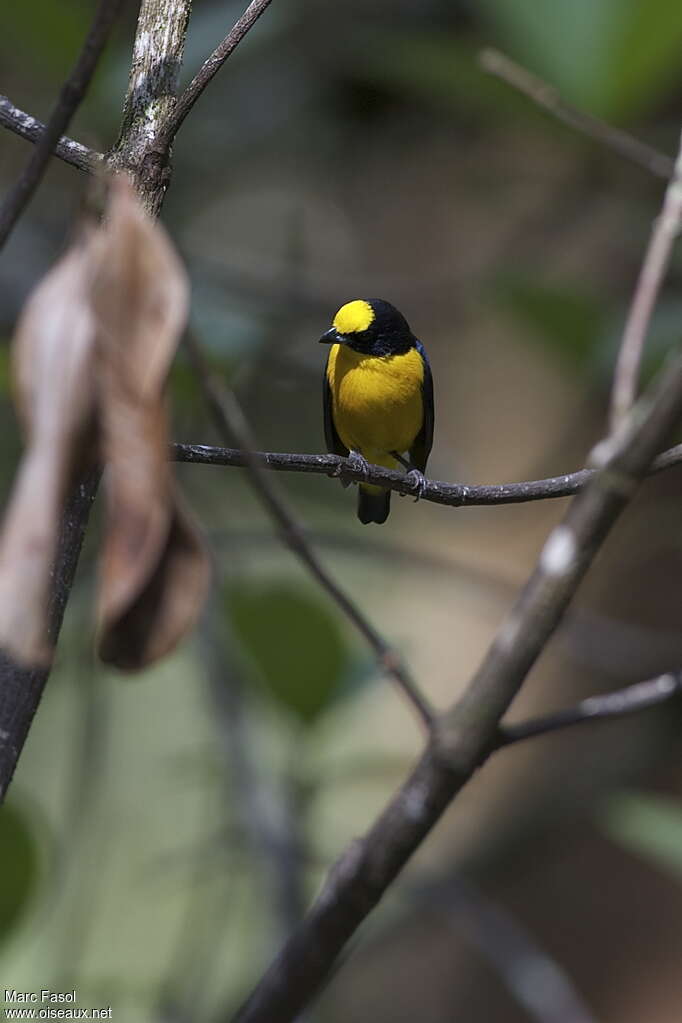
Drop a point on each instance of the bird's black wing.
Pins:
(421, 449)
(334, 444)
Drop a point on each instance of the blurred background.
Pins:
(164, 832)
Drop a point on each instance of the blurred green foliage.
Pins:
(295, 642)
(568, 322)
(649, 825)
(55, 45)
(613, 57)
(19, 865)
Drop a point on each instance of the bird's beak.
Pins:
(330, 337)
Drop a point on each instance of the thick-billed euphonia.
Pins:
(378, 396)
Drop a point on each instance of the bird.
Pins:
(377, 397)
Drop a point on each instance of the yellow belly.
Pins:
(376, 401)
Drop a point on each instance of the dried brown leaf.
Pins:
(153, 569)
(92, 353)
(140, 295)
(168, 605)
(53, 356)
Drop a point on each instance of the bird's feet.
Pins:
(419, 483)
(358, 463)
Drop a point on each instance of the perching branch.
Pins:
(464, 736)
(454, 495)
(665, 231)
(230, 421)
(604, 707)
(213, 64)
(70, 97)
(547, 97)
(32, 130)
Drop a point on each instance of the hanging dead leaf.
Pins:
(92, 353)
(154, 571)
(149, 627)
(53, 359)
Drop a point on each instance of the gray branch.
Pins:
(603, 707)
(213, 64)
(31, 129)
(454, 495)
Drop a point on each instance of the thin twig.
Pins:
(230, 421)
(547, 97)
(654, 268)
(465, 735)
(70, 97)
(213, 64)
(596, 708)
(454, 495)
(31, 129)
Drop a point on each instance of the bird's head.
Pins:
(371, 326)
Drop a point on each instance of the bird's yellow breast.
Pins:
(376, 400)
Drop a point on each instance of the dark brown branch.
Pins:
(547, 97)
(455, 495)
(230, 421)
(466, 734)
(22, 688)
(596, 708)
(214, 63)
(70, 97)
(31, 129)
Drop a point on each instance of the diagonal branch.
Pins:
(70, 97)
(21, 688)
(464, 736)
(213, 64)
(596, 708)
(548, 98)
(31, 129)
(654, 268)
(230, 421)
(453, 495)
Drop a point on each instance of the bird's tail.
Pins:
(374, 504)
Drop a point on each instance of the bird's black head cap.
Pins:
(372, 326)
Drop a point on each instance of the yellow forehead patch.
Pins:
(354, 316)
